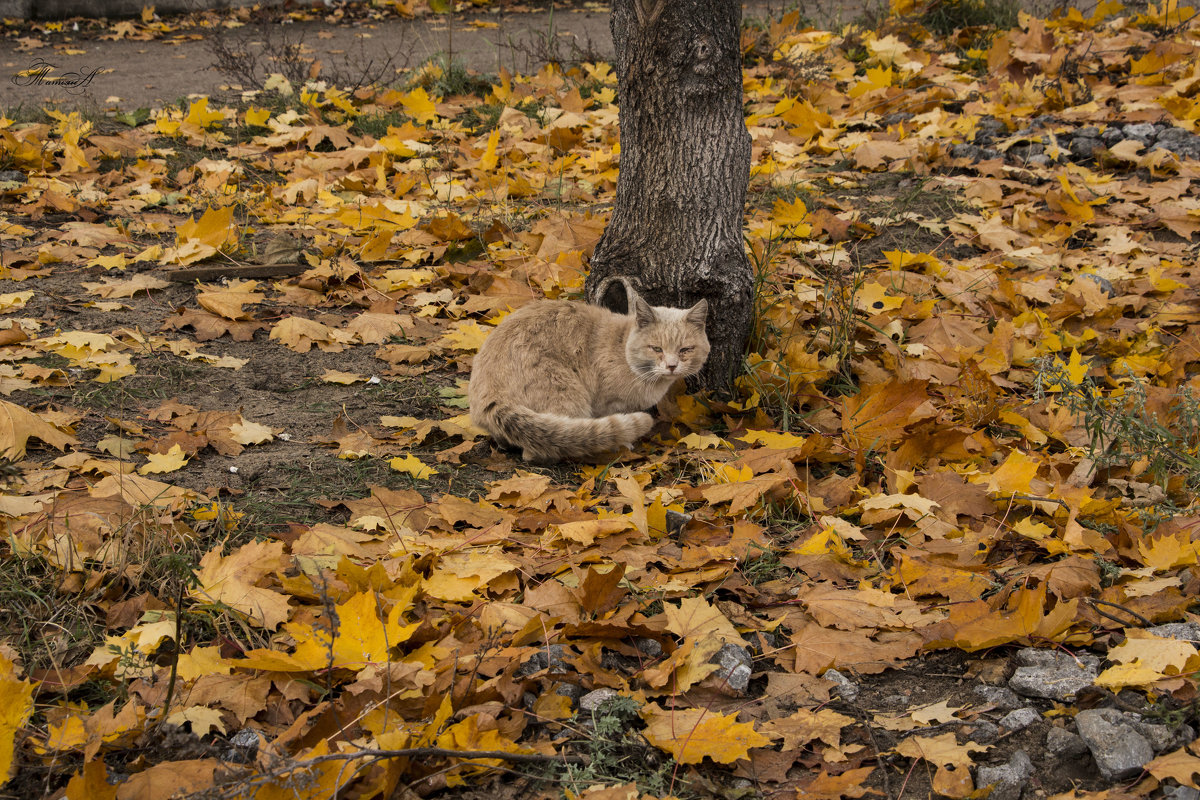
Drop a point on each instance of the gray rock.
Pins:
(971, 151)
(572, 690)
(1008, 780)
(1159, 736)
(734, 666)
(651, 648)
(983, 731)
(1104, 283)
(1052, 674)
(1088, 132)
(1019, 719)
(593, 700)
(1085, 147)
(1111, 136)
(989, 128)
(1173, 134)
(243, 746)
(14, 175)
(1037, 161)
(1188, 631)
(550, 657)
(1144, 132)
(1181, 793)
(1062, 743)
(999, 696)
(895, 118)
(1117, 747)
(846, 688)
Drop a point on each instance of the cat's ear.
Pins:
(697, 314)
(643, 312)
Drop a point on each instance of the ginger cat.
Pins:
(566, 380)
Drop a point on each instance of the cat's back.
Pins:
(547, 324)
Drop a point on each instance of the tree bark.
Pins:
(676, 227)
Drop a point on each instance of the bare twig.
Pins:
(1094, 602)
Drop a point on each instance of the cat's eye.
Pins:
(656, 349)
(683, 351)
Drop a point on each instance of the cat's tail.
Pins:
(545, 438)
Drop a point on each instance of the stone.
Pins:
(1160, 737)
(1181, 793)
(1063, 743)
(593, 700)
(243, 747)
(734, 666)
(1019, 719)
(1085, 147)
(846, 688)
(1111, 136)
(571, 690)
(999, 696)
(1088, 132)
(651, 648)
(550, 657)
(1052, 674)
(1144, 132)
(983, 731)
(1117, 747)
(972, 151)
(1188, 631)
(13, 175)
(1008, 780)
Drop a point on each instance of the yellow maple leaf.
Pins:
(344, 378)
(487, 161)
(246, 432)
(791, 216)
(169, 461)
(466, 336)
(419, 105)
(18, 424)
(698, 441)
(413, 466)
(300, 334)
(200, 116)
(233, 580)
(693, 734)
(1180, 765)
(773, 439)
(257, 116)
(1011, 477)
(16, 707)
(15, 301)
(361, 637)
(943, 750)
(696, 617)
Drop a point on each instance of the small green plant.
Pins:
(618, 754)
(1122, 430)
(948, 16)
(762, 565)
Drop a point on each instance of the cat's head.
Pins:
(666, 343)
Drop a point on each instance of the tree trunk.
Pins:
(676, 228)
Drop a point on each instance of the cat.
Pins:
(566, 380)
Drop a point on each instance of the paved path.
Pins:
(134, 74)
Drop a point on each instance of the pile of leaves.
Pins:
(968, 419)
